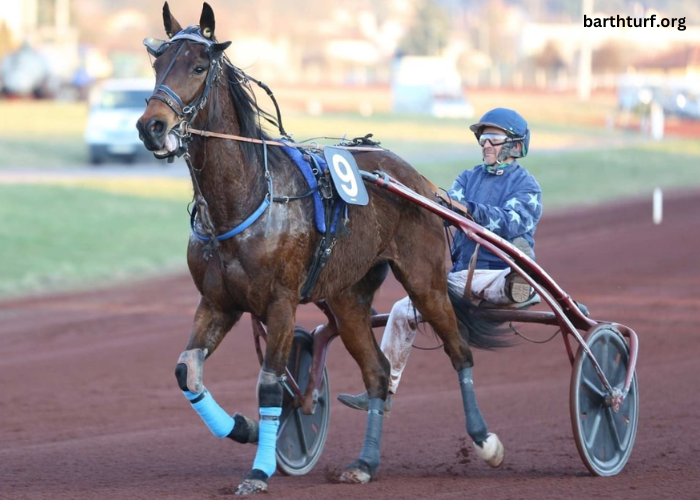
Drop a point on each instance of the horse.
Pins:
(255, 246)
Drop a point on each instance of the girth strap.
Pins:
(329, 239)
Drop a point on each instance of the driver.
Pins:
(501, 196)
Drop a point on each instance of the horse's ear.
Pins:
(169, 22)
(206, 21)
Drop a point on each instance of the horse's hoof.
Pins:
(491, 451)
(251, 487)
(358, 472)
(355, 476)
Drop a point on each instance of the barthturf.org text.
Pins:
(634, 22)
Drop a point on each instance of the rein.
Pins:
(206, 133)
(458, 207)
(449, 202)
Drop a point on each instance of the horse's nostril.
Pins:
(152, 133)
(156, 126)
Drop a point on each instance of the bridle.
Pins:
(185, 113)
(174, 102)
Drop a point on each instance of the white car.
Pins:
(451, 106)
(115, 105)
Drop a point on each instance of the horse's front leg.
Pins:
(210, 326)
(280, 334)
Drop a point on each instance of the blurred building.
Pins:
(616, 51)
(681, 62)
(44, 53)
(421, 81)
(495, 43)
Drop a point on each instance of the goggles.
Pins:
(494, 139)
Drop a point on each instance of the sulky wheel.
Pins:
(300, 438)
(603, 437)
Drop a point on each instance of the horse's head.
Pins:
(187, 66)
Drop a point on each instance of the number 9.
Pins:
(345, 173)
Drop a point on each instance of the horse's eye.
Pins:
(199, 70)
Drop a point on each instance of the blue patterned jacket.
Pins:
(509, 205)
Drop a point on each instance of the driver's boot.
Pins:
(517, 289)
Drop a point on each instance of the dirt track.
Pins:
(90, 407)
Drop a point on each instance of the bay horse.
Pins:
(254, 243)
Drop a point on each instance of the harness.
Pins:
(328, 208)
(201, 224)
(332, 205)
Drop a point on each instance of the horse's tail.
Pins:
(478, 333)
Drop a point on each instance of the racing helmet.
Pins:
(512, 124)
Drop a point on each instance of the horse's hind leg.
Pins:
(427, 286)
(210, 327)
(352, 311)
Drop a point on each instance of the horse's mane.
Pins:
(250, 116)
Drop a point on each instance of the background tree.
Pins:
(430, 31)
(614, 57)
(550, 57)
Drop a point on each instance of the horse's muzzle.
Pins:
(155, 137)
(153, 133)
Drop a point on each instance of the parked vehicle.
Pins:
(452, 106)
(111, 133)
(26, 73)
(685, 104)
(677, 100)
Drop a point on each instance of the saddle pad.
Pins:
(305, 167)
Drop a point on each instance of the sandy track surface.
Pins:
(91, 409)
